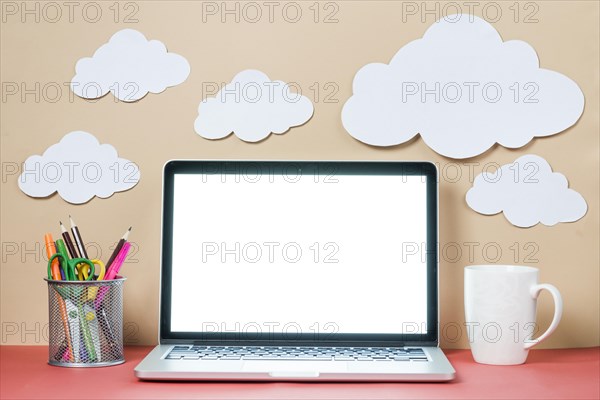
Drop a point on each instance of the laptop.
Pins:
(298, 271)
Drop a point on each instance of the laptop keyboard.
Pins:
(296, 353)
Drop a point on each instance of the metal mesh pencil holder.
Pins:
(85, 323)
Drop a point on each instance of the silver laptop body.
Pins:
(298, 271)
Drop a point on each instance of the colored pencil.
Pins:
(120, 244)
(65, 234)
(78, 239)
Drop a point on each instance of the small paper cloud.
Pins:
(252, 107)
(129, 66)
(528, 192)
(462, 89)
(78, 168)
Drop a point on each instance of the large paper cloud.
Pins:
(462, 89)
(129, 66)
(252, 107)
(78, 168)
(528, 192)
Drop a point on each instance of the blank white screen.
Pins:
(314, 256)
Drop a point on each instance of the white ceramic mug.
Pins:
(500, 312)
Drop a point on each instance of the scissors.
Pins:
(83, 271)
(71, 266)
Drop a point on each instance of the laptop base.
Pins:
(156, 367)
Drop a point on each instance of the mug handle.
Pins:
(558, 308)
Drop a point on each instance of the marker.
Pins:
(68, 241)
(78, 239)
(50, 251)
(119, 260)
(61, 249)
(120, 244)
(66, 344)
(112, 273)
(65, 351)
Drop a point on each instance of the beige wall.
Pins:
(160, 127)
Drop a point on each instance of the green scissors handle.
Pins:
(70, 266)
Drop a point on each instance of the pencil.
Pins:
(120, 244)
(68, 241)
(78, 239)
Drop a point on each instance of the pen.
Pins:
(68, 241)
(76, 339)
(118, 247)
(62, 271)
(78, 239)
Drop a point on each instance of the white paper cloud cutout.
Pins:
(252, 107)
(445, 88)
(78, 168)
(129, 66)
(528, 192)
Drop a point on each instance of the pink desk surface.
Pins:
(548, 374)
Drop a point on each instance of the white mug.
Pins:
(500, 312)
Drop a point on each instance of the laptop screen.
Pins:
(299, 250)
